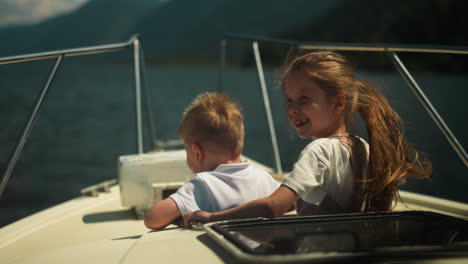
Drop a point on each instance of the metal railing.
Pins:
(390, 50)
(133, 42)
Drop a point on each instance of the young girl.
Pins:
(337, 172)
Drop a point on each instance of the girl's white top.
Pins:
(324, 168)
(229, 185)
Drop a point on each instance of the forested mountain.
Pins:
(181, 30)
(168, 28)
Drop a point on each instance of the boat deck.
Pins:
(100, 230)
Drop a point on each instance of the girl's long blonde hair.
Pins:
(391, 157)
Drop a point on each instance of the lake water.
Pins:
(87, 121)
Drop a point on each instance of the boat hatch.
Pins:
(406, 234)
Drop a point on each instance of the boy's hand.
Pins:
(179, 221)
(196, 217)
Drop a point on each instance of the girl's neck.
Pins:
(341, 130)
(339, 135)
(338, 128)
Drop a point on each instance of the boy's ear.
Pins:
(198, 150)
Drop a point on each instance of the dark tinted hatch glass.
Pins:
(351, 233)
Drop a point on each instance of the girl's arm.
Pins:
(161, 214)
(278, 203)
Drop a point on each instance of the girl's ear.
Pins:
(198, 150)
(340, 103)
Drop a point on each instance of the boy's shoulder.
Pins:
(236, 174)
(241, 169)
(231, 168)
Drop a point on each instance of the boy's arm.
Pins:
(275, 205)
(161, 214)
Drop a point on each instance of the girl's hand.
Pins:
(196, 217)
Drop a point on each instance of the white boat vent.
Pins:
(163, 190)
(139, 174)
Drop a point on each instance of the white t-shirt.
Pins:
(324, 167)
(229, 185)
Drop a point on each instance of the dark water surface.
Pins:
(88, 120)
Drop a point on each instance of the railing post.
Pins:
(266, 102)
(136, 57)
(147, 96)
(27, 129)
(428, 106)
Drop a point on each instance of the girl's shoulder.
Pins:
(322, 144)
(332, 141)
(323, 147)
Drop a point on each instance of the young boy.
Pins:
(213, 133)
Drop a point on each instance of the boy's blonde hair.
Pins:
(214, 118)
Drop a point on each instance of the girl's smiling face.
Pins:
(309, 109)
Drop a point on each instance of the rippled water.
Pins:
(88, 120)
